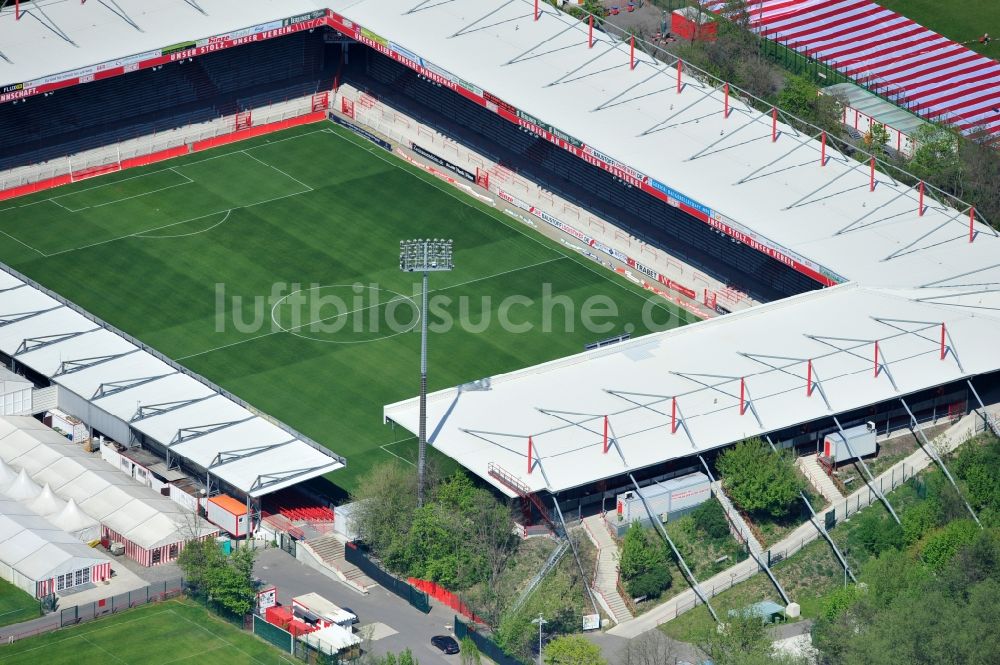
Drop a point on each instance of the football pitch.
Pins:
(175, 631)
(271, 267)
(15, 605)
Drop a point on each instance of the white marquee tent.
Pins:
(152, 527)
(39, 558)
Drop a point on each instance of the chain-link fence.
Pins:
(153, 592)
(403, 589)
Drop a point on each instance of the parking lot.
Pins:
(400, 625)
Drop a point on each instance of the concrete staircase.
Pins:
(737, 520)
(329, 550)
(811, 468)
(606, 577)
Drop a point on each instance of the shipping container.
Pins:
(228, 513)
(667, 500)
(861, 439)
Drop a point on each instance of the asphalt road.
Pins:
(413, 628)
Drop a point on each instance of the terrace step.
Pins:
(330, 550)
(810, 467)
(606, 576)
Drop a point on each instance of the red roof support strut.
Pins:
(605, 435)
(876, 358)
(774, 124)
(590, 33)
(743, 395)
(725, 89)
(679, 76)
(972, 220)
(536, 10)
(673, 415)
(920, 205)
(942, 341)
(530, 465)
(809, 378)
(871, 185)
(17, 10)
(822, 154)
(631, 54)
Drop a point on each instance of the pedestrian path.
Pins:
(606, 577)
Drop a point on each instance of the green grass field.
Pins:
(961, 22)
(147, 250)
(175, 631)
(16, 605)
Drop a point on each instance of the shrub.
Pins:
(942, 545)
(710, 518)
(650, 583)
(878, 534)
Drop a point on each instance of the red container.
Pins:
(279, 616)
(298, 627)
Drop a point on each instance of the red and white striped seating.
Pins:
(922, 71)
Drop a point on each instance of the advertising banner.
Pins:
(360, 131)
(440, 161)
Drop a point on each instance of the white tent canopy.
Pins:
(46, 503)
(23, 488)
(104, 495)
(7, 476)
(74, 521)
(32, 549)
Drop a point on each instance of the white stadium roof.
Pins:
(177, 409)
(912, 270)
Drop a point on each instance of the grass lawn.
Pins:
(175, 631)
(15, 605)
(960, 22)
(193, 257)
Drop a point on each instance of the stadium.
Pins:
(167, 163)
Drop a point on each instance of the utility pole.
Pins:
(425, 256)
(541, 622)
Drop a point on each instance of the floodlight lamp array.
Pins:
(425, 255)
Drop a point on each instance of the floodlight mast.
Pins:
(425, 256)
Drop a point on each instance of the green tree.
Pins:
(643, 564)
(572, 650)
(386, 499)
(936, 158)
(232, 584)
(743, 635)
(876, 138)
(759, 479)
(225, 581)
(198, 560)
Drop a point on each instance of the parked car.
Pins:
(445, 643)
